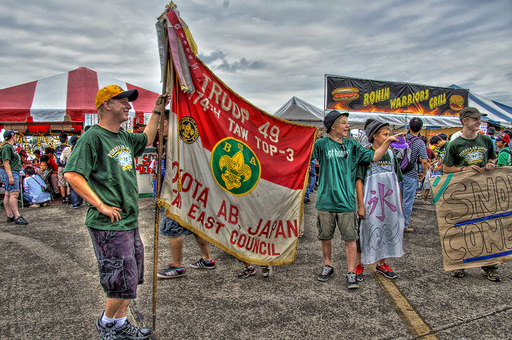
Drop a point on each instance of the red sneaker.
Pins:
(359, 272)
(386, 271)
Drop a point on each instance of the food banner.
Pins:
(352, 94)
(235, 175)
(474, 215)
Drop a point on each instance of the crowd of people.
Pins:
(35, 179)
(343, 172)
(439, 155)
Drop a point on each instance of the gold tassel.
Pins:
(180, 188)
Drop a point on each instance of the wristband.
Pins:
(156, 112)
(461, 168)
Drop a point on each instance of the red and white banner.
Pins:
(235, 175)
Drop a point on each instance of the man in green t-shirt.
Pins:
(10, 167)
(471, 151)
(504, 156)
(101, 169)
(338, 157)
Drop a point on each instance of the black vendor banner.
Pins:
(352, 94)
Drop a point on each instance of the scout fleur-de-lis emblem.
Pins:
(235, 166)
(236, 169)
(188, 130)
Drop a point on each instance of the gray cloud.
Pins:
(220, 61)
(269, 51)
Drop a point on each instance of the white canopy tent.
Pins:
(300, 111)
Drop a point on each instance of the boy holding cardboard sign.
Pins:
(471, 152)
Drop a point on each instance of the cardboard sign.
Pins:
(474, 215)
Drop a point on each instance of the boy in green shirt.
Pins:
(471, 152)
(504, 156)
(338, 157)
(441, 146)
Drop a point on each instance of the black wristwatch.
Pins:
(156, 112)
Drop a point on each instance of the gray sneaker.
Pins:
(171, 272)
(108, 331)
(327, 272)
(352, 281)
(129, 331)
(202, 264)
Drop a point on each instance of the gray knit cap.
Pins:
(372, 126)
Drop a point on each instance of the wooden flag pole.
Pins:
(168, 67)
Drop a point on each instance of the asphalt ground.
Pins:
(50, 289)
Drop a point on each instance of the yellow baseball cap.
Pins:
(115, 92)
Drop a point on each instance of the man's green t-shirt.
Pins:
(466, 152)
(7, 153)
(338, 164)
(504, 157)
(107, 162)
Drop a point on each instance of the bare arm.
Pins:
(7, 168)
(152, 127)
(83, 189)
(424, 166)
(488, 167)
(384, 147)
(360, 199)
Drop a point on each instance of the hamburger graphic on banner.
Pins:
(352, 94)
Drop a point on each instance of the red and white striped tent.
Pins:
(71, 93)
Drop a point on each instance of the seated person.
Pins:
(54, 177)
(34, 189)
(43, 171)
(37, 159)
(23, 157)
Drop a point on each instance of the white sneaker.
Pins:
(266, 271)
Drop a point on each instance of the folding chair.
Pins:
(20, 196)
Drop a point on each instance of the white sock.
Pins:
(105, 320)
(120, 322)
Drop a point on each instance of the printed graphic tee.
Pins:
(107, 162)
(466, 152)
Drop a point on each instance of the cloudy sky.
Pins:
(268, 51)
